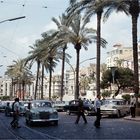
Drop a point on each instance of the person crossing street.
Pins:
(97, 105)
(80, 112)
(16, 111)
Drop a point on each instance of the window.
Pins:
(121, 51)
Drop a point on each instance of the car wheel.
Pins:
(27, 121)
(55, 122)
(6, 114)
(68, 112)
(118, 114)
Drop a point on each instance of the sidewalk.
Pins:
(137, 118)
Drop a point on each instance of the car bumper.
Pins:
(108, 112)
(44, 120)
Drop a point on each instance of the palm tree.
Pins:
(53, 51)
(62, 21)
(20, 73)
(35, 56)
(80, 36)
(91, 7)
(132, 8)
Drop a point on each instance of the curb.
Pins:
(137, 118)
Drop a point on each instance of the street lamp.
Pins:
(12, 19)
(74, 69)
(87, 60)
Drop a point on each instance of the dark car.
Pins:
(73, 107)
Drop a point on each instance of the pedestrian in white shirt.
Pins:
(133, 105)
(97, 105)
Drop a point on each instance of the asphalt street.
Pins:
(111, 128)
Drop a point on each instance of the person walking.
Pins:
(80, 112)
(7, 109)
(132, 105)
(97, 105)
(16, 111)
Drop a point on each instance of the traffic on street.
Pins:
(111, 128)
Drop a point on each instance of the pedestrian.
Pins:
(80, 112)
(16, 112)
(97, 105)
(132, 105)
(7, 109)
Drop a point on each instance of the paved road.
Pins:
(111, 128)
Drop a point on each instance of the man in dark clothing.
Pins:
(80, 112)
(15, 109)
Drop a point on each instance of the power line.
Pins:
(9, 50)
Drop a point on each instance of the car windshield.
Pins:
(87, 102)
(42, 104)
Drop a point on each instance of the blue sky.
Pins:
(17, 36)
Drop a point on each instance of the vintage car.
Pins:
(59, 105)
(72, 107)
(2, 106)
(41, 111)
(114, 107)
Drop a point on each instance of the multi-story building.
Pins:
(5, 86)
(120, 56)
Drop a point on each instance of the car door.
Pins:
(74, 106)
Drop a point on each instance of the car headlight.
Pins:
(35, 114)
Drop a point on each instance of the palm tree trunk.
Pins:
(50, 83)
(42, 81)
(99, 15)
(23, 87)
(135, 53)
(77, 47)
(12, 94)
(62, 73)
(37, 76)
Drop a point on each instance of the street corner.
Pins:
(137, 118)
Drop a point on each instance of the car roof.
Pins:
(40, 101)
(114, 100)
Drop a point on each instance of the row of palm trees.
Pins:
(20, 75)
(105, 8)
(72, 29)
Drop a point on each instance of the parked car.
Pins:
(9, 111)
(2, 106)
(41, 111)
(115, 107)
(59, 105)
(8, 108)
(72, 107)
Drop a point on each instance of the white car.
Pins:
(41, 111)
(115, 107)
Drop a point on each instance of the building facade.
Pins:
(120, 56)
